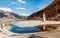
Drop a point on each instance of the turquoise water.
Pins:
(20, 30)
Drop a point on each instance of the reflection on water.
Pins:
(17, 29)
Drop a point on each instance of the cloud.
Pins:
(20, 8)
(13, 2)
(6, 9)
(21, 1)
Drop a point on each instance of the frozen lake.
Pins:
(32, 23)
(26, 26)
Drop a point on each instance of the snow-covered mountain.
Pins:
(24, 14)
(9, 14)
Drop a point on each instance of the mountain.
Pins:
(52, 12)
(9, 14)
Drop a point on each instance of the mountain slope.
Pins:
(8, 14)
(52, 12)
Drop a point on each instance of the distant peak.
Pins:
(6, 9)
(24, 14)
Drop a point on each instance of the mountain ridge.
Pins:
(9, 14)
(52, 12)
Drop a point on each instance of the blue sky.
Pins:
(24, 6)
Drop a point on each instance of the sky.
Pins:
(24, 6)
